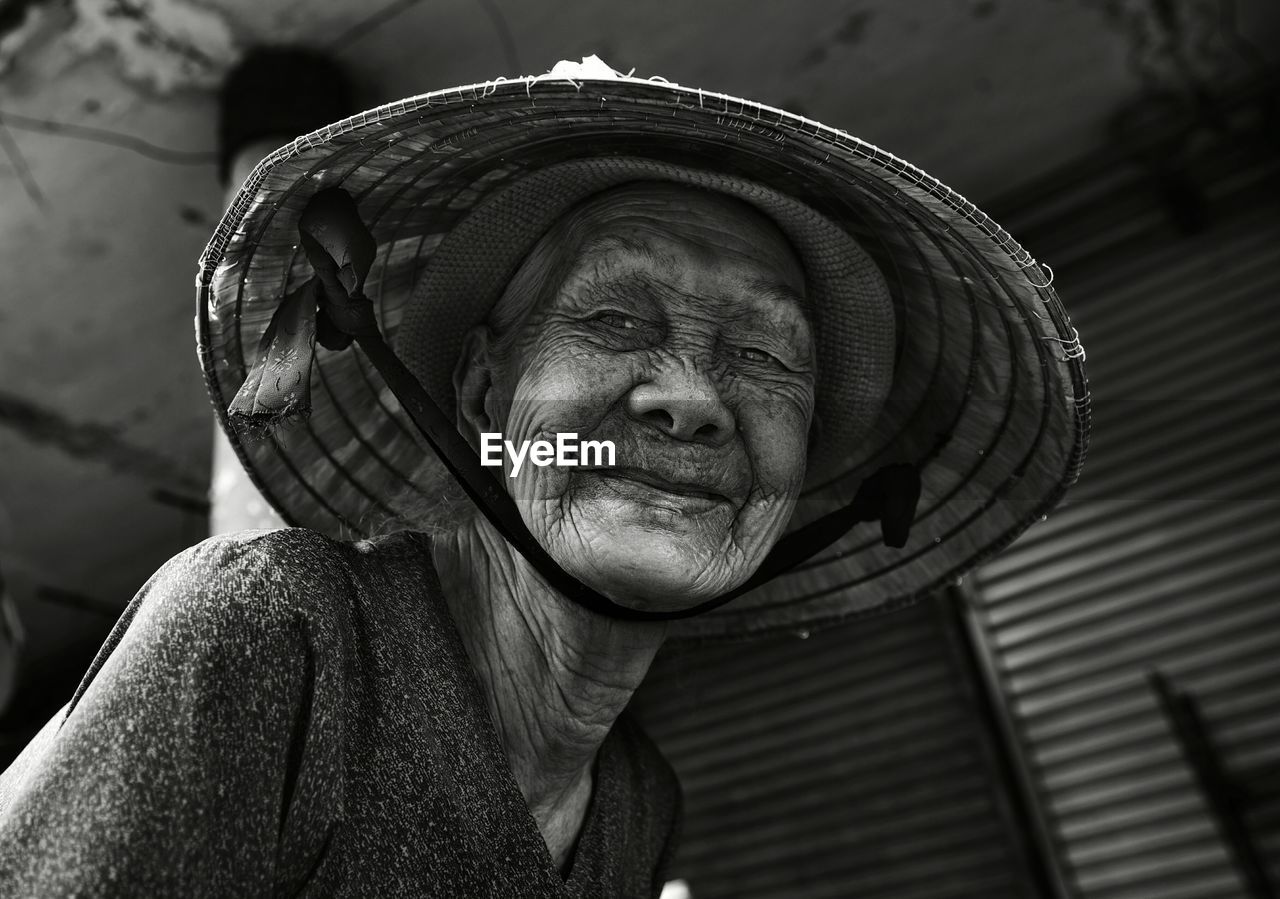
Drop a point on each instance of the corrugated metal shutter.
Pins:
(850, 763)
(1166, 556)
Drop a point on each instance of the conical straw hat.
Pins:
(983, 384)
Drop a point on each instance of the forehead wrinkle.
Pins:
(597, 247)
(658, 263)
(602, 271)
(630, 285)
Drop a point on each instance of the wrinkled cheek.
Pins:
(571, 397)
(557, 401)
(539, 490)
(756, 528)
(778, 453)
(779, 450)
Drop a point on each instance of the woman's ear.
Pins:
(472, 383)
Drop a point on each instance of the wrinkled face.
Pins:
(670, 322)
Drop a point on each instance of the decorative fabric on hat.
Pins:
(942, 343)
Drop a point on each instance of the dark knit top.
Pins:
(280, 714)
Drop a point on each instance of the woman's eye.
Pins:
(616, 320)
(752, 354)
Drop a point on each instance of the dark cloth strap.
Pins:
(331, 307)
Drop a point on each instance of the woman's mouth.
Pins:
(641, 484)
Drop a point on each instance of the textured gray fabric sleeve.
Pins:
(180, 767)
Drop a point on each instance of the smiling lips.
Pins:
(684, 489)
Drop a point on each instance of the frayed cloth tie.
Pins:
(330, 307)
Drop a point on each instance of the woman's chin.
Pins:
(649, 578)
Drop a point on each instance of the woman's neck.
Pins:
(555, 676)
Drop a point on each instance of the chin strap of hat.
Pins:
(331, 308)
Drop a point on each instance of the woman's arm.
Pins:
(178, 767)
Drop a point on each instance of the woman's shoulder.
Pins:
(254, 608)
(260, 574)
(291, 552)
(253, 597)
(295, 587)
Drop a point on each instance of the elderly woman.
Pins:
(782, 331)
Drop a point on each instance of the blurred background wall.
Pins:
(1004, 740)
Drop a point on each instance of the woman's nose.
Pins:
(683, 403)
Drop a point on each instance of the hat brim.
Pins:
(989, 395)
